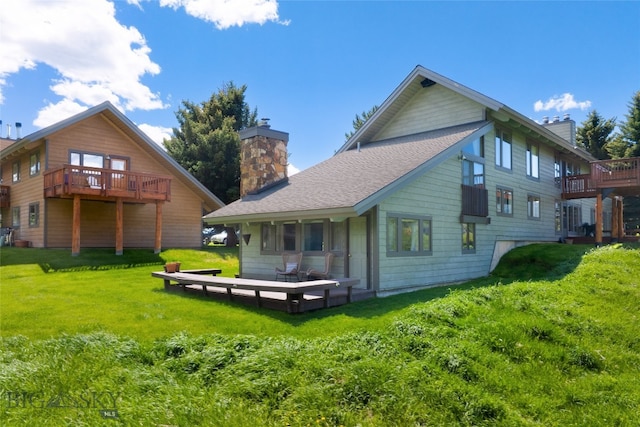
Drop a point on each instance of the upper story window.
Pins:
(533, 160)
(503, 149)
(34, 163)
(473, 163)
(15, 171)
(91, 160)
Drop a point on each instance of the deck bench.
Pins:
(294, 290)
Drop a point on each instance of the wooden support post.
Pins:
(599, 219)
(75, 227)
(119, 226)
(157, 247)
(621, 218)
(614, 220)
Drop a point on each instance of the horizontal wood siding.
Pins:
(431, 108)
(22, 193)
(182, 216)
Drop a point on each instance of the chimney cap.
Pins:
(264, 122)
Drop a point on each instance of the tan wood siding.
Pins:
(432, 108)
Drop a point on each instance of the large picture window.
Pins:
(503, 149)
(473, 163)
(91, 160)
(312, 236)
(408, 235)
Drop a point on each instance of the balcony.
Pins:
(622, 175)
(5, 200)
(475, 201)
(106, 184)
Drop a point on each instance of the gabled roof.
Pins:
(421, 76)
(352, 181)
(122, 122)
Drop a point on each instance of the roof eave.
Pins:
(336, 214)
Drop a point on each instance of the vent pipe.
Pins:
(18, 129)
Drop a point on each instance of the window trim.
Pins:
(530, 211)
(529, 161)
(502, 191)
(499, 154)
(464, 237)
(15, 171)
(37, 164)
(399, 252)
(36, 222)
(276, 230)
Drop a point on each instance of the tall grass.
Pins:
(560, 348)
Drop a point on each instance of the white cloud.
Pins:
(53, 113)
(96, 57)
(227, 13)
(156, 133)
(292, 170)
(563, 102)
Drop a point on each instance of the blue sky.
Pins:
(310, 66)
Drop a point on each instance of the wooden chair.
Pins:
(315, 274)
(291, 266)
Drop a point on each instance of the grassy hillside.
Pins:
(551, 338)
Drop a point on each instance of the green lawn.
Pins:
(550, 338)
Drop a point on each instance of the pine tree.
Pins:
(595, 134)
(630, 129)
(359, 121)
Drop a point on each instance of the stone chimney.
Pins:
(565, 129)
(263, 158)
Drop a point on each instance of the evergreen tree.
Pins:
(630, 129)
(207, 144)
(595, 134)
(360, 120)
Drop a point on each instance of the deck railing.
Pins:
(617, 173)
(475, 201)
(69, 180)
(5, 199)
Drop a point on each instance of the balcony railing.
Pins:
(620, 173)
(475, 201)
(100, 183)
(5, 200)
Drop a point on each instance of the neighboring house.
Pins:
(435, 187)
(96, 180)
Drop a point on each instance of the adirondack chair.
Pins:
(315, 274)
(291, 265)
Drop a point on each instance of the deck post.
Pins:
(119, 226)
(599, 219)
(75, 227)
(621, 231)
(157, 247)
(614, 221)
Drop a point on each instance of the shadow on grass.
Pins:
(529, 263)
(61, 260)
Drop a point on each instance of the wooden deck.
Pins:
(292, 297)
(105, 184)
(622, 176)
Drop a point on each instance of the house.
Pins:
(96, 180)
(434, 188)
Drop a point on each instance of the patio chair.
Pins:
(315, 274)
(291, 265)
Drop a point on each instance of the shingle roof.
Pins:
(353, 180)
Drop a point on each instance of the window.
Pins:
(268, 233)
(504, 201)
(468, 237)
(503, 149)
(557, 174)
(473, 163)
(338, 236)
(408, 235)
(313, 233)
(533, 160)
(15, 172)
(572, 216)
(289, 237)
(34, 214)
(533, 206)
(34, 164)
(86, 159)
(15, 217)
